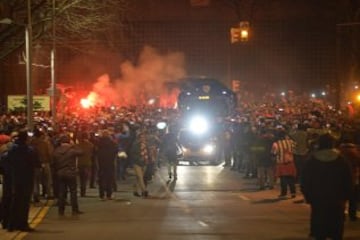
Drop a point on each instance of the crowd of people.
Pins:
(306, 143)
(298, 142)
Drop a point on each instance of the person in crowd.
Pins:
(43, 176)
(236, 146)
(94, 137)
(4, 140)
(351, 154)
(250, 163)
(106, 155)
(241, 142)
(326, 185)
(5, 178)
(153, 143)
(301, 138)
(22, 161)
(84, 161)
(227, 142)
(140, 158)
(123, 143)
(283, 151)
(264, 160)
(169, 148)
(65, 167)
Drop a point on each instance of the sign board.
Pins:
(41, 103)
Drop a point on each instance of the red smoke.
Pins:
(138, 83)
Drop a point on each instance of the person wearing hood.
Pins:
(326, 184)
(65, 166)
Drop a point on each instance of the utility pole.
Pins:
(29, 90)
(53, 78)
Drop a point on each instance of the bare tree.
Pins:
(75, 21)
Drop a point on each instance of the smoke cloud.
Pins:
(142, 81)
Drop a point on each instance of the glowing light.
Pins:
(151, 101)
(161, 125)
(313, 95)
(209, 149)
(85, 103)
(204, 97)
(244, 33)
(282, 93)
(358, 97)
(90, 100)
(323, 93)
(199, 125)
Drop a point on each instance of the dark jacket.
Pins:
(65, 160)
(351, 154)
(326, 178)
(22, 161)
(106, 152)
(169, 147)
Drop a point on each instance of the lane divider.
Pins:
(36, 219)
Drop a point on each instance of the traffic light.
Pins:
(244, 27)
(235, 34)
(241, 33)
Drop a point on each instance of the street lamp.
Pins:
(28, 62)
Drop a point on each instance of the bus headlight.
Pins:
(199, 125)
(209, 149)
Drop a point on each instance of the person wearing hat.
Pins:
(326, 184)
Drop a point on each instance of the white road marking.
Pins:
(202, 224)
(244, 198)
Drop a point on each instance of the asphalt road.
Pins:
(205, 203)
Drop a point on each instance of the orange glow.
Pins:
(85, 103)
(169, 99)
(358, 97)
(244, 34)
(89, 101)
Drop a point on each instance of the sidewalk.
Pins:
(37, 212)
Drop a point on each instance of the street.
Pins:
(206, 202)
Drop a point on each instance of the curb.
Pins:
(36, 214)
